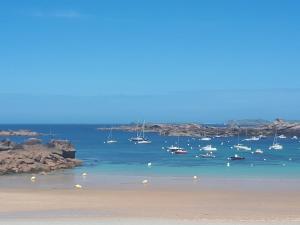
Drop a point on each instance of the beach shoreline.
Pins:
(146, 203)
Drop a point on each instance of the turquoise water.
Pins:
(127, 158)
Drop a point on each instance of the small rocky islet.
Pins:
(32, 156)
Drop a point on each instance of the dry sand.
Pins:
(103, 206)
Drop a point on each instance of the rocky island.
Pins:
(230, 129)
(33, 156)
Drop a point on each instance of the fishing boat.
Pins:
(236, 157)
(276, 145)
(110, 139)
(209, 148)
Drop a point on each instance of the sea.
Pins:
(126, 163)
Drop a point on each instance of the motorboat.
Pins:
(259, 151)
(252, 139)
(173, 148)
(241, 147)
(276, 146)
(181, 151)
(205, 139)
(236, 157)
(209, 148)
(208, 155)
(282, 136)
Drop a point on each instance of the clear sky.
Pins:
(103, 61)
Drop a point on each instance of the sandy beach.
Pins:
(104, 206)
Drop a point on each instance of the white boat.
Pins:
(205, 139)
(138, 135)
(282, 136)
(276, 145)
(262, 136)
(173, 148)
(259, 151)
(110, 139)
(209, 148)
(208, 155)
(252, 139)
(144, 140)
(241, 147)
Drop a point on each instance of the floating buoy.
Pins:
(145, 181)
(228, 164)
(149, 164)
(197, 156)
(84, 174)
(195, 177)
(78, 186)
(33, 178)
(265, 159)
(283, 164)
(290, 159)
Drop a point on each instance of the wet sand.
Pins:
(119, 206)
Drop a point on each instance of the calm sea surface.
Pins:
(127, 158)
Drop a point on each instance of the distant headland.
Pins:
(232, 128)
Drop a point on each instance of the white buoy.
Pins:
(290, 159)
(78, 186)
(265, 159)
(228, 164)
(283, 164)
(84, 174)
(33, 179)
(197, 156)
(149, 164)
(145, 181)
(195, 177)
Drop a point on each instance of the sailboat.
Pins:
(241, 147)
(276, 145)
(110, 139)
(205, 138)
(138, 135)
(176, 149)
(144, 140)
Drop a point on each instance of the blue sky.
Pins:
(76, 61)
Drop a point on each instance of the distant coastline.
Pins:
(231, 129)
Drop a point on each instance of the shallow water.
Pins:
(128, 159)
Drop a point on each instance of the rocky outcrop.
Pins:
(198, 130)
(26, 133)
(32, 157)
